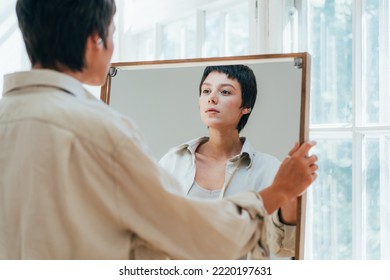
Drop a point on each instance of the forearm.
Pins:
(288, 213)
(294, 176)
(273, 199)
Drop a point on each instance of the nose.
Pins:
(212, 98)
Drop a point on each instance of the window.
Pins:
(226, 31)
(11, 42)
(348, 206)
(179, 39)
(207, 29)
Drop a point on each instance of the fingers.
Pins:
(311, 159)
(304, 149)
(313, 170)
(294, 149)
(300, 153)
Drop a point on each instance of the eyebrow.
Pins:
(220, 85)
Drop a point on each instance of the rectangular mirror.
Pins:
(162, 98)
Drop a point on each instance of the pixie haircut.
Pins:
(247, 80)
(55, 32)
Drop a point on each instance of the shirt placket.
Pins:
(231, 167)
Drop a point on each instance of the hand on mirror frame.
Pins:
(296, 173)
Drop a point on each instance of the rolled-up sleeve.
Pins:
(281, 237)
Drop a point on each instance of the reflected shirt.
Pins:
(249, 170)
(196, 191)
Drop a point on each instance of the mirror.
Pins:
(162, 99)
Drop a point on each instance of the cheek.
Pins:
(233, 104)
(202, 101)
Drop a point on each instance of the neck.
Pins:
(222, 144)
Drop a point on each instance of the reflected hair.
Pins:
(247, 80)
(55, 32)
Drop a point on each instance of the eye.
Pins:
(205, 91)
(225, 92)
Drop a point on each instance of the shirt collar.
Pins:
(44, 78)
(247, 150)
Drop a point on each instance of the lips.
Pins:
(212, 110)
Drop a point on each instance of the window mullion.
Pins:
(275, 20)
(385, 195)
(357, 195)
(253, 27)
(357, 68)
(384, 61)
(158, 41)
(200, 32)
(357, 108)
(263, 40)
(223, 42)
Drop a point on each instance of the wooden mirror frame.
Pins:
(301, 61)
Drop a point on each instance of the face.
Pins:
(220, 101)
(98, 58)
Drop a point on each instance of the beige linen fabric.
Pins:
(76, 182)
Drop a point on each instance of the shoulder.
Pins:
(181, 156)
(188, 147)
(259, 158)
(264, 157)
(94, 122)
(265, 161)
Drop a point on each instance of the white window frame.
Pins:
(266, 20)
(358, 130)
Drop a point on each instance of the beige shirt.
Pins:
(249, 170)
(76, 182)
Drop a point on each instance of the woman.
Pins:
(224, 163)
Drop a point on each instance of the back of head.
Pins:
(55, 32)
(247, 80)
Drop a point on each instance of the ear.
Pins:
(95, 41)
(246, 110)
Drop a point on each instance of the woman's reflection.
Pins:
(224, 163)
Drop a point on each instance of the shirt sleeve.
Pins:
(175, 225)
(281, 237)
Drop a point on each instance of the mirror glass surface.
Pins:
(162, 99)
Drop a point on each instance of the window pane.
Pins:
(377, 196)
(376, 61)
(13, 54)
(227, 32)
(330, 44)
(179, 39)
(214, 35)
(371, 231)
(237, 31)
(143, 46)
(371, 61)
(329, 234)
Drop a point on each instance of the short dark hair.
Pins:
(247, 80)
(55, 32)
